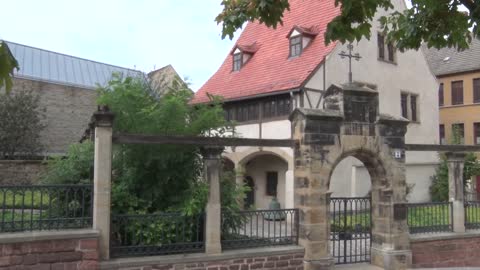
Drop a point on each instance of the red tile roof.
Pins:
(270, 69)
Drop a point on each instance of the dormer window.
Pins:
(295, 46)
(241, 54)
(300, 38)
(237, 61)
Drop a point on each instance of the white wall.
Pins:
(257, 168)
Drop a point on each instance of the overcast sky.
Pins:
(127, 33)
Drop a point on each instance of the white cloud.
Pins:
(128, 33)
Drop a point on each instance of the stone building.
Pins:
(66, 85)
(270, 72)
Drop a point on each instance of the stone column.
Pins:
(239, 180)
(455, 163)
(212, 169)
(102, 177)
(289, 189)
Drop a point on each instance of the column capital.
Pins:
(212, 152)
(455, 156)
(103, 117)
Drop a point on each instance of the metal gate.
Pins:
(350, 233)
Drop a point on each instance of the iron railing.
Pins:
(359, 128)
(350, 229)
(472, 215)
(259, 228)
(430, 217)
(156, 234)
(45, 207)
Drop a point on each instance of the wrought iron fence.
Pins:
(430, 217)
(472, 214)
(350, 234)
(156, 234)
(359, 128)
(259, 228)
(45, 207)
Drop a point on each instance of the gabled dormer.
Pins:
(241, 54)
(300, 37)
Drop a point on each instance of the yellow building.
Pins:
(458, 74)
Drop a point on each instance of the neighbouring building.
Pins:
(66, 85)
(269, 72)
(458, 94)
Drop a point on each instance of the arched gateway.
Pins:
(350, 125)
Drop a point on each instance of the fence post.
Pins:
(212, 170)
(102, 178)
(455, 189)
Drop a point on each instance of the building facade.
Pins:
(66, 87)
(270, 72)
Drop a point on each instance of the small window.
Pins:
(295, 46)
(237, 61)
(404, 98)
(381, 46)
(476, 133)
(476, 90)
(457, 92)
(458, 133)
(440, 95)
(442, 134)
(272, 182)
(391, 52)
(413, 108)
(276, 106)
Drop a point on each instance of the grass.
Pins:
(24, 199)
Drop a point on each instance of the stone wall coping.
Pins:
(443, 236)
(22, 161)
(199, 257)
(8, 238)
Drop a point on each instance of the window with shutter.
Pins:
(457, 92)
(440, 95)
(476, 90)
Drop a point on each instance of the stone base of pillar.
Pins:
(391, 259)
(458, 216)
(320, 264)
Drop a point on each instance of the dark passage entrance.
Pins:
(250, 194)
(350, 233)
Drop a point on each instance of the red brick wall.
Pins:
(292, 261)
(446, 253)
(69, 254)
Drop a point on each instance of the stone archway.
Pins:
(323, 138)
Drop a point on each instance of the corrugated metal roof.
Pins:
(43, 65)
(449, 60)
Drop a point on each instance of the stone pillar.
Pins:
(455, 163)
(102, 177)
(212, 170)
(239, 180)
(289, 189)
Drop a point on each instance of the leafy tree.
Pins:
(20, 125)
(8, 64)
(149, 178)
(439, 186)
(438, 23)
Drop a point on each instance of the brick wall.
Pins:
(21, 172)
(67, 109)
(61, 254)
(274, 258)
(453, 252)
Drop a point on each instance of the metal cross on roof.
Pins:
(355, 56)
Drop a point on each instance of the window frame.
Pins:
(462, 138)
(239, 60)
(441, 97)
(269, 185)
(455, 94)
(476, 133)
(381, 46)
(476, 90)
(293, 45)
(441, 133)
(404, 106)
(412, 114)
